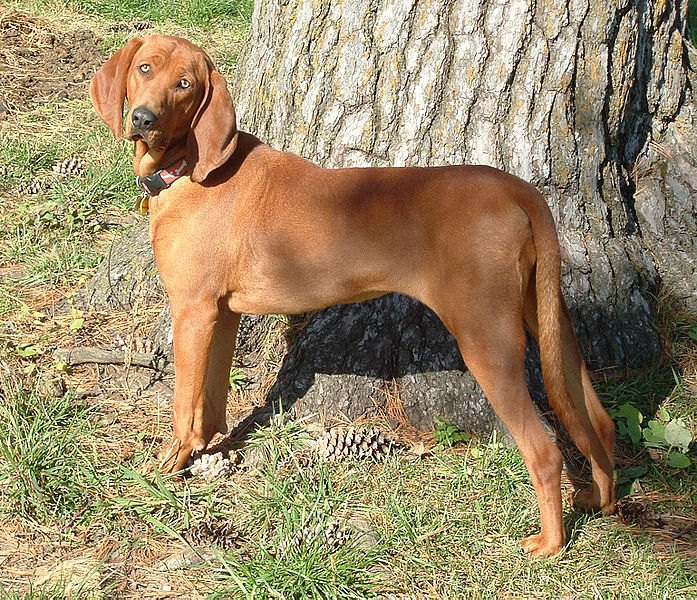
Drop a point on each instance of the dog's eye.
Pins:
(184, 84)
(144, 68)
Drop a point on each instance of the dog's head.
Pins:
(175, 98)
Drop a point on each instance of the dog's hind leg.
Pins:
(593, 431)
(491, 337)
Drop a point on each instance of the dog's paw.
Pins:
(540, 546)
(588, 500)
(173, 457)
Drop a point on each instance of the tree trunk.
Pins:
(588, 101)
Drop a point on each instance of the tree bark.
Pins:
(588, 100)
(127, 275)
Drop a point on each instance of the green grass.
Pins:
(46, 468)
(54, 235)
(692, 18)
(447, 527)
(198, 13)
(202, 14)
(297, 507)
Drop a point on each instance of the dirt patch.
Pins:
(39, 65)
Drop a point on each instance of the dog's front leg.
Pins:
(204, 341)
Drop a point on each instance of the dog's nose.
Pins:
(143, 119)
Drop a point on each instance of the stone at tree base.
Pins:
(126, 276)
(339, 363)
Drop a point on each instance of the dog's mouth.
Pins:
(133, 135)
(153, 139)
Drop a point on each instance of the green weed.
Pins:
(164, 505)
(286, 516)
(662, 432)
(51, 592)
(280, 439)
(238, 379)
(54, 234)
(447, 435)
(311, 572)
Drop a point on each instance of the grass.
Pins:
(203, 14)
(84, 514)
(41, 447)
(192, 13)
(56, 234)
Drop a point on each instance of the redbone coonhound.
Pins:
(238, 227)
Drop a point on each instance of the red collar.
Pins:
(160, 180)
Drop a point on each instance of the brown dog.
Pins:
(254, 230)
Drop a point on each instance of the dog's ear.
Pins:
(108, 87)
(213, 135)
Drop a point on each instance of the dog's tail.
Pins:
(559, 352)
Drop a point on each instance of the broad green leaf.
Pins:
(624, 489)
(634, 431)
(28, 351)
(630, 413)
(654, 434)
(77, 324)
(631, 473)
(678, 435)
(463, 436)
(677, 460)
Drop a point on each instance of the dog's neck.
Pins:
(146, 160)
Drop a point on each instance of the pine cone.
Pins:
(211, 466)
(215, 531)
(339, 443)
(141, 25)
(329, 537)
(69, 167)
(37, 186)
(636, 511)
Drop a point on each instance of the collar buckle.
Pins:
(160, 180)
(151, 185)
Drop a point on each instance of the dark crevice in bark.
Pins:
(611, 139)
